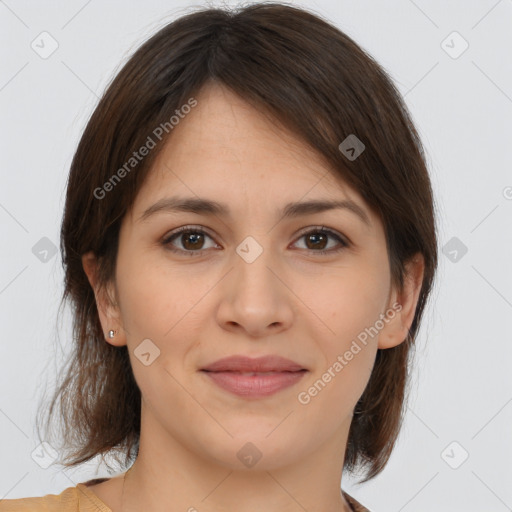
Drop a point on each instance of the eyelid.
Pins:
(342, 239)
(184, 229)
(326, 229)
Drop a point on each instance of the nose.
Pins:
(255, 298)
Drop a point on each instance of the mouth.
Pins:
(254, 384)
(272, 372)
(244, 364)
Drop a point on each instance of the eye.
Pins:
(192, 240)
(317, 238)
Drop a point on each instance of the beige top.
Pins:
(82, 499)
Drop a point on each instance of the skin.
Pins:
(290, 301)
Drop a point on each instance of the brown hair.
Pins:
(310, 78)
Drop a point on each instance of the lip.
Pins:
(254, 385)
(239, 363)
(254, 378)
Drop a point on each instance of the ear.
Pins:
(403, 304)
(108, 310)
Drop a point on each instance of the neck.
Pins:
(185, 470)
(128, 504)
(148, 487)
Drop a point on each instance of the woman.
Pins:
(249, 243)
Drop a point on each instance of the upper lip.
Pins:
(241, 363)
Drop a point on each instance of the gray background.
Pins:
(462, 105)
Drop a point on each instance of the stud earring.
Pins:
(111, 334)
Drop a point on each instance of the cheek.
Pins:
(166, 308)
(350, 374)
(349, 307)
(152, 299)
(348, 302)
(336, 387)
(348, 356)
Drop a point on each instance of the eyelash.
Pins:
(196, 230)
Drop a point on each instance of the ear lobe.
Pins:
(108, 310)
(397, 327)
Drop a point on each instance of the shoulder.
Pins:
(72, 499)
(66, 501)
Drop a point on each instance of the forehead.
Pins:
(225, 148)
(226, 127)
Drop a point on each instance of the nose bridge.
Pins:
(253, 263)
(255, 298)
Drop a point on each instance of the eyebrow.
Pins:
(291, 210)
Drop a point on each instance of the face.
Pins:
(252, 282)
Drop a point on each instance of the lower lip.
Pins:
(254, 385)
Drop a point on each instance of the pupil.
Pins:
(195, 237)
(315, 238)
